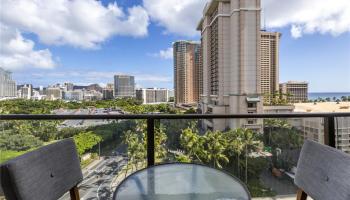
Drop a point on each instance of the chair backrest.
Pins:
(323, 172)
(43, 174)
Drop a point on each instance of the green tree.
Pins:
(216, 145)
(250, 142)
(273, 124)
(193, 144)
(19, 142)
(85, 141)
(136, 149)
(235, 145)
(159, 142)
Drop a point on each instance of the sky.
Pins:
(88, 41)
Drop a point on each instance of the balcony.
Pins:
(267, 167)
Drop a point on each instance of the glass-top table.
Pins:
(181, 181)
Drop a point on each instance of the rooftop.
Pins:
(322, 107)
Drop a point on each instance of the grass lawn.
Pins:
(7, 155)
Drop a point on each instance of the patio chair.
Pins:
(323, 173)
(43, 174)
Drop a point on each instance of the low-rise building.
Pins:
(313, 128)
(75, 95)
(37, 95)
(284, 109)
(25, 91)
(295, 91)
(68, 86)
(107, 93)
(152, 95)
(278, 109)
(54, 93)
(92, 95)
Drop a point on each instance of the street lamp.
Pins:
(99, 150)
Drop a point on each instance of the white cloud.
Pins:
(308, 17)
(80, 23)
(17, 52)
(164, 54)
(296, 31)
(303, 16)
(177, 16)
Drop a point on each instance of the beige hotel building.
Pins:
(297, 91)
(230, 36)
(269, 48)
(187, 72)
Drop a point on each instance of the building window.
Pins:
(251, 105)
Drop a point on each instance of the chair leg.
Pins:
(74, 193)
(301, 195)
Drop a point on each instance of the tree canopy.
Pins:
(85, 141)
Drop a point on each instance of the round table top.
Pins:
(181, 181)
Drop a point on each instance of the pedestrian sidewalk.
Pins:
(279, 197)
(91, 166)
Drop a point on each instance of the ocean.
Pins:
(338, 95)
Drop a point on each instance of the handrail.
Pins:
(329, 122)
(167, 116)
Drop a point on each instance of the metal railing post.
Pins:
(150, 142)
(329, 131)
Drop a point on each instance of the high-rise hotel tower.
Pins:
(187, 72)
(269, 63)
(230, 36)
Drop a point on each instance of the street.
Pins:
(85, 123)
(97, 181)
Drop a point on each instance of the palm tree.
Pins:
(216, 146)
(133, 142)
(192, 144)
(234, 144)
(159, 143)
(275, 123)
(250, 142)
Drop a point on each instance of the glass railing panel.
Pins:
(263, 154)
(122, 150)
(342, 133)
(106, 148)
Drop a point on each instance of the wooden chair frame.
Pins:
(74, 193)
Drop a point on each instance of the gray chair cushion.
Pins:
(44, 174)
(323, 172)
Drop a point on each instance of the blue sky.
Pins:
(319, 56)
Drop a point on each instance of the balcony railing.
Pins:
(329, 122)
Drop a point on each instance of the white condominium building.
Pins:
(153, 95)
(230, 36)
(7, 85)
(124, 86)
(26, 91)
